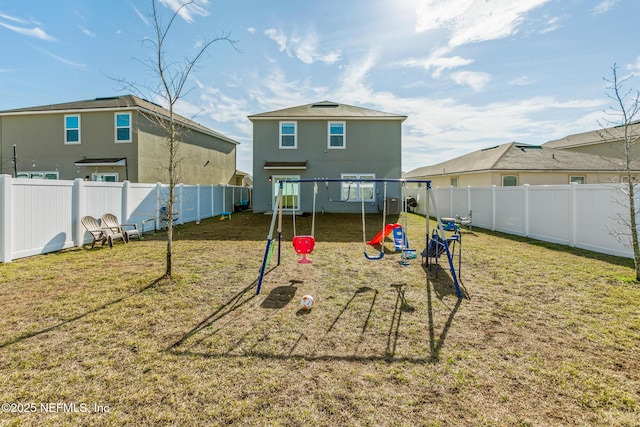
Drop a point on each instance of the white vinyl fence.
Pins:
(40, 216)
(585, 216)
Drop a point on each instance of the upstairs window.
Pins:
(288, 135)
(123, 127)
(337, 135)
(72, 129)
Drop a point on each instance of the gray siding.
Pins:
(372, 147)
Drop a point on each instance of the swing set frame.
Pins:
(272, 239)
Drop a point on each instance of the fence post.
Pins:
(77, 211)
(125, 202)
(451, 201)
(5, 218)
(179, 195)
(525, 188)
(198, 204)
(158, 201)
(213, 203)
(493, 207)
(573, 214)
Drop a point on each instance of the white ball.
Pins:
(307, 302)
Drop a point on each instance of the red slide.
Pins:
(377, 240)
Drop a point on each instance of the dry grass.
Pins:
(546, 335)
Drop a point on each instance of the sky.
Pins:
(469, 74)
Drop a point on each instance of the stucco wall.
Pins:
(372, 147)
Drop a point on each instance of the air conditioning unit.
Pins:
(393, 206)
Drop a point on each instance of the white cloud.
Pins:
(303, 46)
(35, 32)
(470, 21)
(188, 12)
(12, 19)
(140, 15)
(61, 59)
(437, 63)
(603, 7)
(635, 67)
(520, 81)
(475, 80)
(86, 31)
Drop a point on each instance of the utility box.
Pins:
(393, 206)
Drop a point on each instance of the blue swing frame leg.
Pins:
(264, 261)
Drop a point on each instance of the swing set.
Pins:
(436, 244)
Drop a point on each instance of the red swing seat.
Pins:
(304, 245)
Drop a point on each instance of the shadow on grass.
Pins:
(28, 335)
(401, 307)
(235, 302)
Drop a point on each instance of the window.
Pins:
(337, 135)
(454, 182)
(509, 180)
(72, 129)
(288, 136)
(576, 179)
(104, 177)
(123, 127)
(39, 175)
(357, 191)
(625, 178)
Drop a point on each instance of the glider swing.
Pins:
(384, 223)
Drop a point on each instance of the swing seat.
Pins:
(304, 245)
(374, 257)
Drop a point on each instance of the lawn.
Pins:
(546, 335)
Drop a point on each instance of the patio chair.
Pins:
(98, 233)
(164, 217)
(127, 230)
(466, 221)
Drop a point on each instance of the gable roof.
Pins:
(326, 110)
(615, 133)
(115, 103)
(514, 156)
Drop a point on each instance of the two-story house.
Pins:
(326, 140)
(110, 139)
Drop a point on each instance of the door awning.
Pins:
(285, 165)
(103, 161)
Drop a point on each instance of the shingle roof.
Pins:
(326, 110)
(520, 157)
(614, 133)
(124, 102)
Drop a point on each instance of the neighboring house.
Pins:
(514, 164)
(326, 140)
(110, 139)
(604, 142)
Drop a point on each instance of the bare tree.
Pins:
(622, 126)
(168, 83)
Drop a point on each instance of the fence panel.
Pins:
(40, 213)
(600, 207)
(550, 213)
(510, 210)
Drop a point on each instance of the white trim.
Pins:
(358, 176)
(116, 127)
(97, 174)
(295, 134)
(66, 141)
(343, 134)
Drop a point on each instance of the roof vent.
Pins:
(325, 104)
